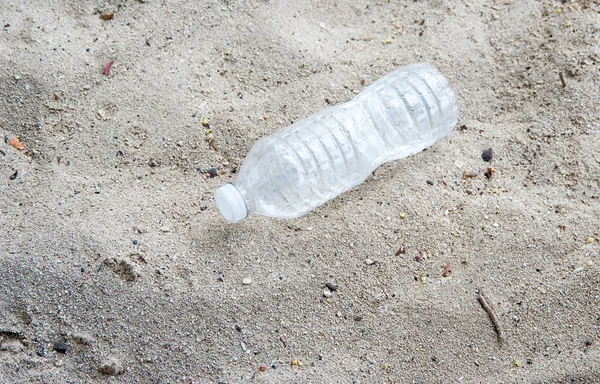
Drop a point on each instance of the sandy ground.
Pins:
(110, 240)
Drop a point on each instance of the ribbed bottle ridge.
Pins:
(315, 159)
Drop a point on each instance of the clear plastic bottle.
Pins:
(298, 168)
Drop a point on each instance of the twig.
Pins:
(562, 79)
(492, 316)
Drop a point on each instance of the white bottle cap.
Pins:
(231, 203)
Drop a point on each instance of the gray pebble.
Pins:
(487, 155)
(83, 338)
(112, 367)
(331, 286)
(61, 347)
(247, 281)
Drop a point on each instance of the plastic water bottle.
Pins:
(298, 168)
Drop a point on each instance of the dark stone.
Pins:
(332, 287)
(429, 182)
(358, 318)
(487, 155)
(135, 242)
(14, 175)
(61, 347)
(238, 328)
(41, 352)
(212, 172)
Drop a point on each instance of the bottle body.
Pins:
(291, 172)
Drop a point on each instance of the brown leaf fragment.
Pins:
(16, 142)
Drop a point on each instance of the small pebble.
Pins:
(14, 175)
(331, 286)
(429, 182)
(212, 172)
(517, 363)
(83, 338)
(247, 281)
(238, 328)
(447, 270)
(107, 15)
(41, 352)
(487, 155)
(469, 174)
(61, 347)
(135, 242)
(327, 293)
(369, 261)
(112, 367)
(357, 318)
(273, 366)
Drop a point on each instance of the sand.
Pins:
(110, 240)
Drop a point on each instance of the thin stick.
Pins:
(562, 79)
(492, 316)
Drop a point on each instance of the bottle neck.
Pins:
(247, 197)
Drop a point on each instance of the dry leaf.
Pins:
(15, 142)
(107, 15)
